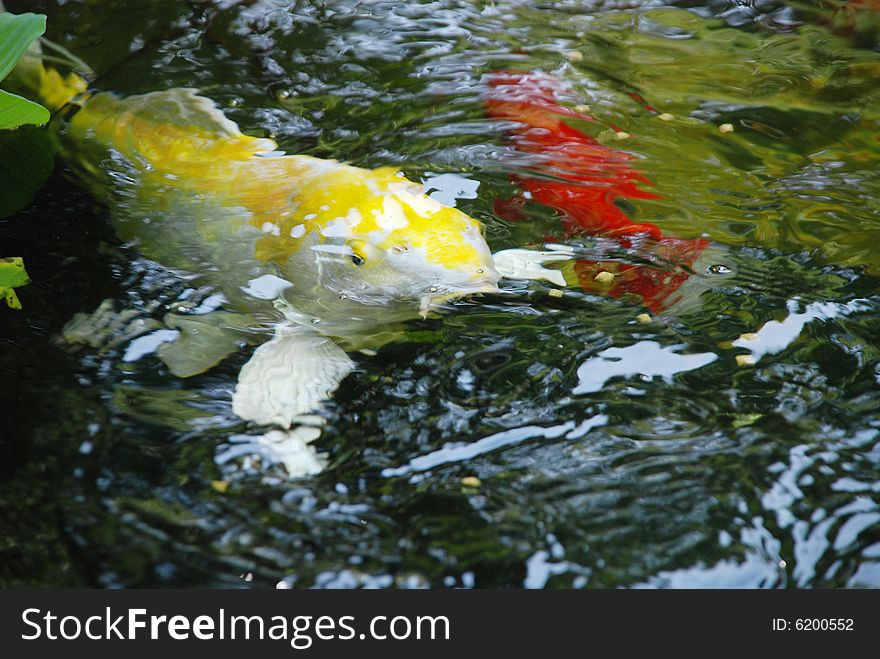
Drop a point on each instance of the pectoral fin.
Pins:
(204, 341)
(289, 377)
(529, 263)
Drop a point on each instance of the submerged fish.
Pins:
(330, 254)
(581, 179)
(346, 244)
(193, 192)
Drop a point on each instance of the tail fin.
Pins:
(33, 79)
(55, 91)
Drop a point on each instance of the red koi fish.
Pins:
(581, 179)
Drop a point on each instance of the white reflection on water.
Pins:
(753, 570)
(775, 336)
(645, 358)
(447, 188)
(267, 287)
(826, 527)
(461, 451)
(761, 566)
(148, 344)
(543, 564)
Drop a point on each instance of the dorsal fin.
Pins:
(183, 107)
(166, 129)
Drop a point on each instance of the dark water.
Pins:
(660, 462)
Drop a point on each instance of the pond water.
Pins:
(609, 451)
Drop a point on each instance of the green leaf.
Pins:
(17, 31)
(27, 157)
(12, 275)
(16, 111)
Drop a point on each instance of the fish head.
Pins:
(378, 239)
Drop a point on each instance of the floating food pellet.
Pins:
(582, 108)
(643, 318)
(471, 481)
(745, 360)
(574, 56)
(368, 352)
(604, 277)
(554, 292)
(621, 135)
(665, 116)
(725, 128)
(220, 486)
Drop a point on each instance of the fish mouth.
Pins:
(436, 299)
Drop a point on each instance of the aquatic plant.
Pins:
(25, 162)
(12, 275)
(17, 33)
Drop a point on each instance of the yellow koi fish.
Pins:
(330, 253)
(193, 192)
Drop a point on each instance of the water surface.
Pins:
(610, 452)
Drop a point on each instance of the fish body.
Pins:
(581, 179)
(343, 244)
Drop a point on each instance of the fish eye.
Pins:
(360, 251)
